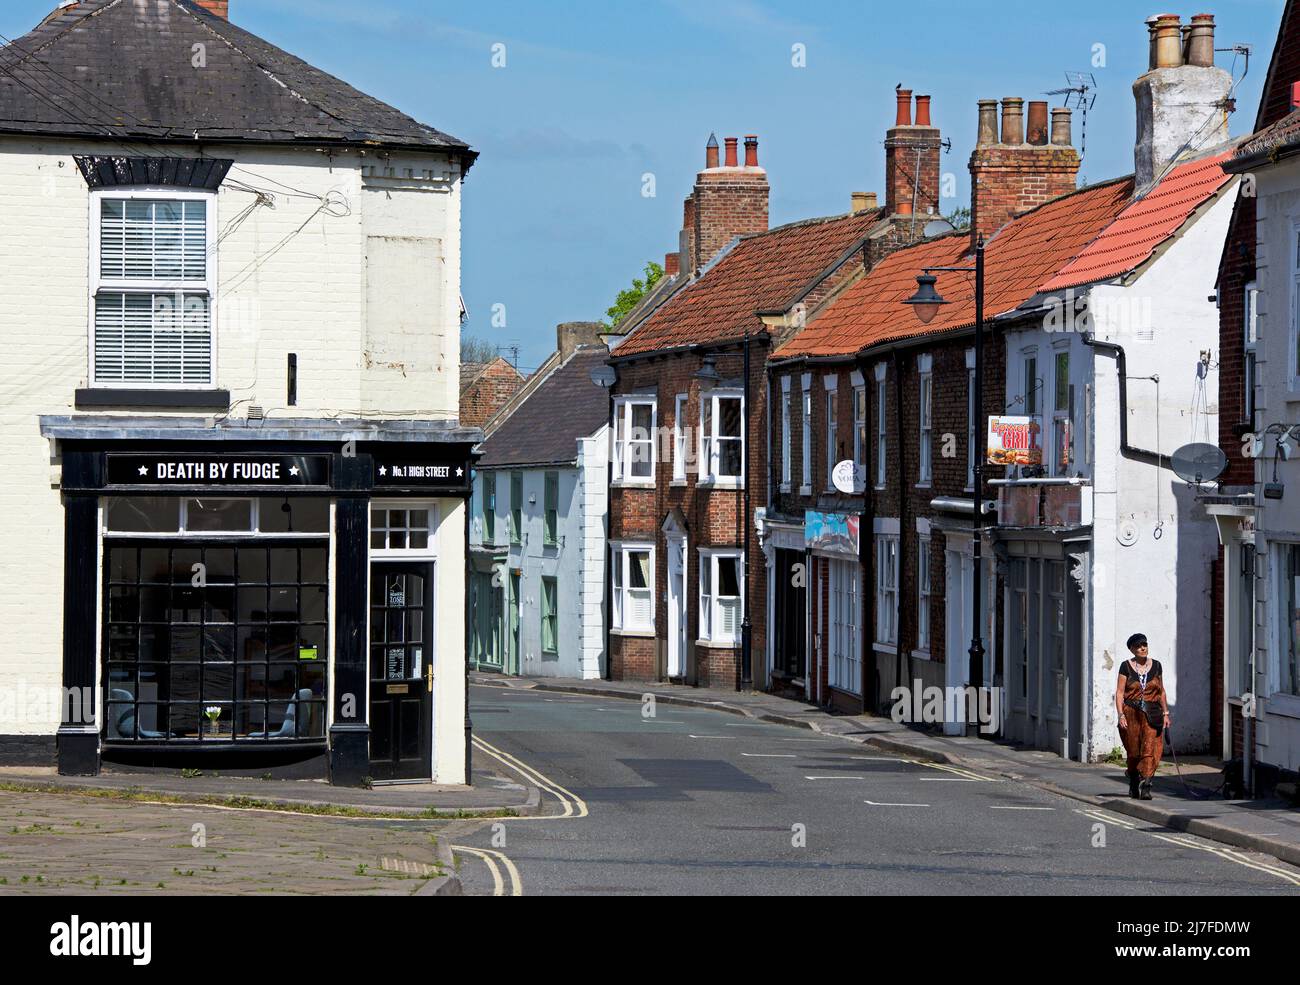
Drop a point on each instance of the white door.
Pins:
(677, 607)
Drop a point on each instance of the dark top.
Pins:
(1125, 671)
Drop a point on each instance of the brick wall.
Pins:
(729, 202)
(712, 516)
(1008, 180)
(488, 393)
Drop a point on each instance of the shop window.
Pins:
(216, 642)
(152, 289)
(192, 516)
(845, 642)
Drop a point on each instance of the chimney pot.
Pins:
(730, 160)
(217, 8)
(1151, 42)
(1061, 126)
(862, 201)
(751, 151)
(1013, 130)
(711, 152)
(903, 208)
(1200, 41)
(1036, 132)
(903, 117)
(923, 111)
(988, 124)
(1169, 42)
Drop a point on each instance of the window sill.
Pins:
(805, 490)
(633, 484)
(677, 483)
(87, 397)
(922, 655)
(885, 648)
(784, 487)
(925, 485)
(633, 633)
(721, 482)
(718, 644)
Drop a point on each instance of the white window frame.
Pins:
(859, 422)
(622, 426)
(1250, 340)
(786, 465)
(131, 286)
(406, 553)
(679, 437)
(622, 552)
(710, 603)
(881, 446)
(255, 521)
(831, 384)
(709, 437)
(924, 592)
(1064, 418)
(887, 589)
(925, 421)
(805, 483)
(844, 650)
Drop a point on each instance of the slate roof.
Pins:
(1024, 253)
(544, 428)
(761, 271)
(1140, 229)
(124, 68)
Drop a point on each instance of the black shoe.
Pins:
(1145, 790)
(1133, 781)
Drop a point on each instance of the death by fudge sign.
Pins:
(218, 470)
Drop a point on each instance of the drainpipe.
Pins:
(1121, 366)
(902, 521)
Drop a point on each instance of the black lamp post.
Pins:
(925, 303)
(708, 374)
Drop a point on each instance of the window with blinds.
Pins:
(153, 293)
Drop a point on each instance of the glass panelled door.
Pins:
(401, 671)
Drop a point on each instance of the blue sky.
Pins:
(594, 95)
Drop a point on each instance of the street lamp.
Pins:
(925, 304)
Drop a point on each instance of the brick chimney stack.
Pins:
(1018, 168)
(1182, 100)
(217, 8)
(728, 200)
(912, 160)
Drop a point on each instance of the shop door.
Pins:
(791, 614)
(401, 671)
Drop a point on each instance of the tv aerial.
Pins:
(1080, 93)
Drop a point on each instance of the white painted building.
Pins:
(538, 528)
(235, 484)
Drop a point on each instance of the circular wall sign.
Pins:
(848, 477)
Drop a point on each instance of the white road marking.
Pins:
(1231, 856)
(874, 804)
(840, 776)
(1022, 808)
(747, 725)
(661, 721)
(714, 736)
(946, 779)
(770, 755)
(879, 759)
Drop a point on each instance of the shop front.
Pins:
(835, 567)
(281, 597)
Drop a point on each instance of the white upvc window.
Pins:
(634, 439)
(845, 642)
(1250, 332)
(973, 420)
(1062, 412)
(923, 589)
(679, 437)
(785, 433)
(859, 423)
(831, 385)
(152, 289)
(805, 478)
(880, 425)
(925, 442)
(722, 588)
(633, 578)
(722, 436)
(886, 589)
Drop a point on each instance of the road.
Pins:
(693, 801)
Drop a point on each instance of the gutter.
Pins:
(1121, 367)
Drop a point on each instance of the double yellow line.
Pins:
(490, 859)
(572, 805)
(949, 768)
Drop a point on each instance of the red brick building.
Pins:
(485, 388)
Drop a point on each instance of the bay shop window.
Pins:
(153, 281)
(216, 618)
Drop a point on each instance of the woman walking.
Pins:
(1143, 715)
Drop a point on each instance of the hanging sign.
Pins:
(1014, 441)
(849, 477)
(833, 532)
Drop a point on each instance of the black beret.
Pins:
(1137, 639)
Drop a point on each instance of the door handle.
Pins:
(428, 675)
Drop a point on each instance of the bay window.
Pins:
(721, 588)
(633, 580)
(152, 289)
(634, 444)
(721, 435)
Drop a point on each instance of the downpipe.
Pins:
(1125, 449)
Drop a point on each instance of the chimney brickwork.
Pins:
(912, 160)
(728, 201)
(218, 8)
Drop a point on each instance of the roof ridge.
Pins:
(56, 34)
(811, 221)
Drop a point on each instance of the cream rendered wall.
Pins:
(449, 764)
(292, 277)
(1159, 586)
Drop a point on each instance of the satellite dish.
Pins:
(604, 376)
(1199, 462)
(938, 227)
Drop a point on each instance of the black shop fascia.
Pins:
(218, 594)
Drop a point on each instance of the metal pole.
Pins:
(746, 667)
(981, 436)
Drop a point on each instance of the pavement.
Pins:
(1269, 826)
